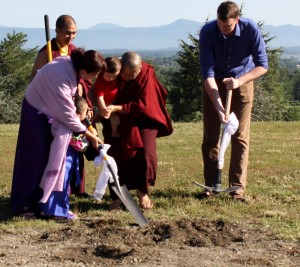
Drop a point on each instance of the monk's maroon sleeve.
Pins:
(148, 100)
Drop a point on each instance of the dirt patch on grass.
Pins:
(99, 242)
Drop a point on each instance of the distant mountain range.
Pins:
(105, 36)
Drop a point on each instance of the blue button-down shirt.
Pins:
(223, 57)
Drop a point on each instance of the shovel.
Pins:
(122, 191)
(227, 129)
(48, 40)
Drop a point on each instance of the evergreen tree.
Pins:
(272, 90)
(15, 69)
(164, 70)
(186, 93)
(296, 86)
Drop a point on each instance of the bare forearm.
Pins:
(101, 103)
(234, 83)
(212, 91)
(80, 89)
(252, 75)
(117, 108)
(93, 138)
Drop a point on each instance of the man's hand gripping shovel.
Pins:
(121, 191)
(228, 129)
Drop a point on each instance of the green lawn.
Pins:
(273, 192)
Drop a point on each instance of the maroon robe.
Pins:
(144, 100)
(55, 49)
(86, 86)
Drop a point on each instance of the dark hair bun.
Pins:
(91, 61)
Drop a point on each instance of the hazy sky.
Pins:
(139, 13)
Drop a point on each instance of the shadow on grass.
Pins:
(85, 205)
(88, 204)
(173, 193)
(5, 213)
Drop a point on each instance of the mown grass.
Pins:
(273, 191)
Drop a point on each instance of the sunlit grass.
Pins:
(273, 190)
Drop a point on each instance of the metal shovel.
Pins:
(217, 186)
(123, 193)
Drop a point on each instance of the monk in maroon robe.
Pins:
(140, 105)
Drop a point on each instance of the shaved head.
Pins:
(64, 21)
(131, 59)
(131, 65)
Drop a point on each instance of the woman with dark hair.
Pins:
(48, 118)
(61, 45)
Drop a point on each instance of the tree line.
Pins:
(277, 94)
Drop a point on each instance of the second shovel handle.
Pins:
(48, 40)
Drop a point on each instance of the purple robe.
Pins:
(49, 95)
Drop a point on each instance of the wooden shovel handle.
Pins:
(228, 102)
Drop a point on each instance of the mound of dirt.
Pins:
(98, 242)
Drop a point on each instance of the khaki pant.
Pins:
(241, 105)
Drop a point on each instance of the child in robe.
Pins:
(57, 205)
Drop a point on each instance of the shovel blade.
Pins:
(218, 189)
(208, 188)
(130, 204)
(232, 189)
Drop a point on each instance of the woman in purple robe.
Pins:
(48, 119)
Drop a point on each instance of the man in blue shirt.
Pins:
(232, 55)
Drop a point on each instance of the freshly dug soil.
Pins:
(187, 242)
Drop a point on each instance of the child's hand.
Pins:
(105, 113)
(90, 113)
(112, 108)
(93, 139)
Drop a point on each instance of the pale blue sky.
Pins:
(139, 13)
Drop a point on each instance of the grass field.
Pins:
(273, 191)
